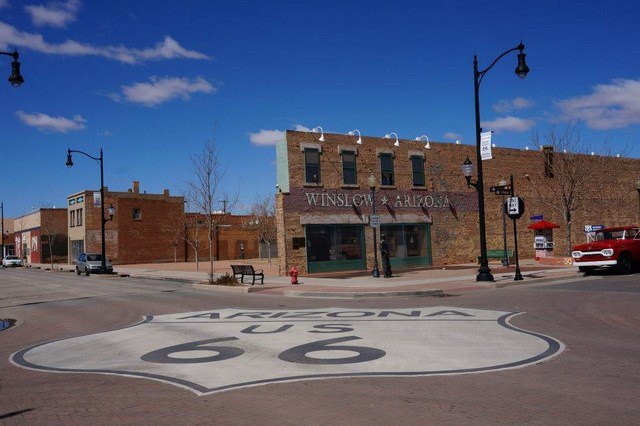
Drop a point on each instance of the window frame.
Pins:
(307, 152)
(420, 172)
(391, 172)
(344, 168)
(133, 213)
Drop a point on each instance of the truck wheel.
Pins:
(77, 271)
(624, 264)
(86, 272)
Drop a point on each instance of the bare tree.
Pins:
(204, 191)
(193, 233)
(176, 227)
(568, 168)
(262, 219)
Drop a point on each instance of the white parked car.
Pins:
(11, 261)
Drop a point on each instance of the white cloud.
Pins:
(513, 104)
(610, 106)
(271, 137)
(162, 89)
(301, 128)
(55, 14)
(4, 3)
(54, 124)
(266, 137)
(508, 124)
(166, 49)
(453, 135)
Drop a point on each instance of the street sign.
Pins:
(485, 146)
(536, 218)
(97, 199)
(224, 349)
(374, 221)
(593, 228)
(501, 190)
(514, 206)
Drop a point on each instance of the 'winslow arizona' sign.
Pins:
(332, 199)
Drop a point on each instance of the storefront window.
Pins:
(330, 243)
(312, 165)
(349, 168)
(386, 169)
(406, 242)
(417, 165)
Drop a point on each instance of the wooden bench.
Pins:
(243, 270)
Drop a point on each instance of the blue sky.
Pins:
(150, 80)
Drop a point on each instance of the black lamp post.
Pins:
(638, 189)
(15, 78)
(484, 273)
(505, 259)
(2, 229)
(112, 210)
(371, 180)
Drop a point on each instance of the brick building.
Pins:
(236, 237)
(149, 228)
(140, 231)
(40, 235)
(427, 213)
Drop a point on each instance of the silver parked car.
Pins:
(11, 261)
(91, 263)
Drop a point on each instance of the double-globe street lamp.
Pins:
(373, 182)
(484, 272)
(15, 78)
(112, 210)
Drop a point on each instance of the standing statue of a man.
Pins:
(384, 251)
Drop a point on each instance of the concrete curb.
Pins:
(233, 288)
(363, 294)
(566, 278)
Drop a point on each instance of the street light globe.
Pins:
(372, 181)
(502, 182)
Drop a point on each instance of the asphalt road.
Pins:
(595, 378)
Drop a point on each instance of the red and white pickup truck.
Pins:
(617, 247)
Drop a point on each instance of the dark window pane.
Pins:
(386, 169)
(417, 165)
(349, 168)
(312, 165)
(334, 243)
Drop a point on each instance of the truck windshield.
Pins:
(94, 257)
(611, 235)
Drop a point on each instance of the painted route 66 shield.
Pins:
(222, 349)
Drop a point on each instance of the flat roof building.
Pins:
(426, 211)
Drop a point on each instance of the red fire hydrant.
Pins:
(293, 273)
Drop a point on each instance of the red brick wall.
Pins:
(610, 199)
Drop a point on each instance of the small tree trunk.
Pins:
(568, 239)
(195, 249)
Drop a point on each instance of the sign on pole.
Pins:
(97, 199)
(485, 146)
(374, 221)
(593, 228)
(514, 207)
